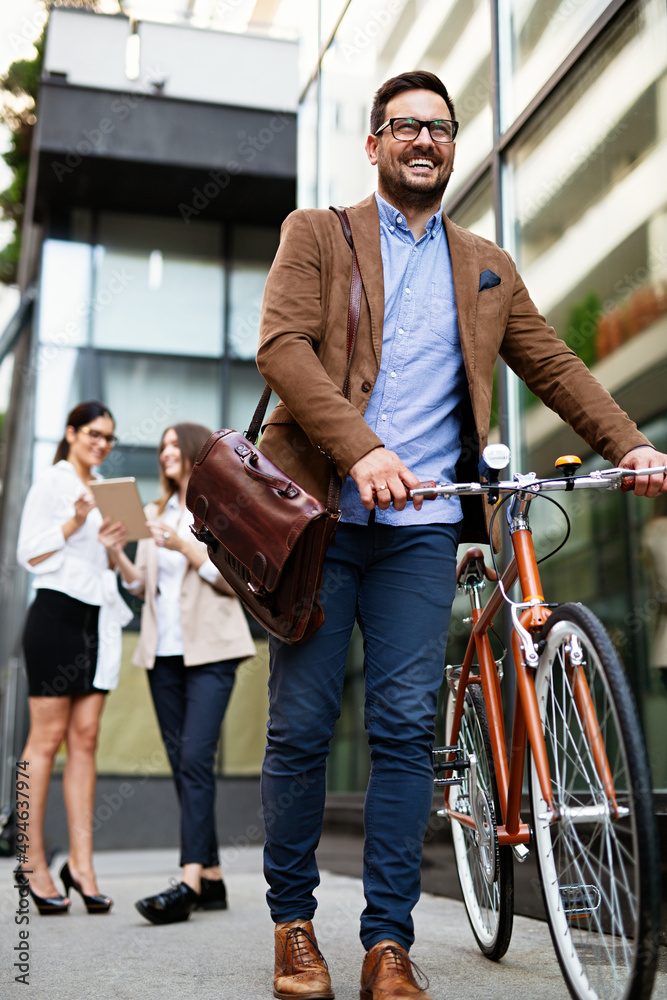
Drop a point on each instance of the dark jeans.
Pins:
(190, 704)
(399, 584)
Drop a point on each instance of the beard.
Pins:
(418, 192)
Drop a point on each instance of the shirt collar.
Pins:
(67, 466)
(395, 220)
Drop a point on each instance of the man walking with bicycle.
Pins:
(439, 305)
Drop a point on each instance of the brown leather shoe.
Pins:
(300, 972)
(389, 974)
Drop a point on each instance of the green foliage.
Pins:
(9, 258)
(582, 327)
(19, 89)
(579, 336)
(21, 81)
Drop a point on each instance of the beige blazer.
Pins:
(212, 619)
(302, 352)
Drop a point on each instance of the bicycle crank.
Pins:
(486, 840)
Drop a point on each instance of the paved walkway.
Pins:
(229, 955)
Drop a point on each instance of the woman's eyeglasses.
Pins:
(109, 439)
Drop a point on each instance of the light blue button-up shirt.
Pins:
(416, 401)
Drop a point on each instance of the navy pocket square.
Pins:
(488, 279)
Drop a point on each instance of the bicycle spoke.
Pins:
(489, 904)
(594, 853)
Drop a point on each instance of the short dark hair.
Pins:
(418, 80)
(80, 416)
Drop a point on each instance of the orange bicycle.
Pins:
(592, 824)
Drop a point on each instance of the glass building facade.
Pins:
(158, 320)
(561, 158)
(152, 218)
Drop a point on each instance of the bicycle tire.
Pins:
(490, 907)
(599, 876)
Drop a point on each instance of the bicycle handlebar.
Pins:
(606, 479)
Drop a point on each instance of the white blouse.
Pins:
(79, 565)
(171, 570)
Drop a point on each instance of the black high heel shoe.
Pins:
(94, 904)
(46, 905)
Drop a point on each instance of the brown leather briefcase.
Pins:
(265, 534)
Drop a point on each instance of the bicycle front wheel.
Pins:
(597, 854)
(485, 870)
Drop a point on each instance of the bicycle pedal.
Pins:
(580, 900)
(442, 763)
(443, 782)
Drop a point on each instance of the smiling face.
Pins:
(88, 445)
(413, 174)
(171, 458)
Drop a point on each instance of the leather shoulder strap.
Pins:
(356, 286)
(258, 416)
(353, 311)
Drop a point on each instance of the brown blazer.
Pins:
(302, 352)
(213, 623)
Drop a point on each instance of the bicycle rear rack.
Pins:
(442, 763)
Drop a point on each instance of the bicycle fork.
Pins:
(527, 718)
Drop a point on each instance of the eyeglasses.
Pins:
(109, 439)
(406, 129)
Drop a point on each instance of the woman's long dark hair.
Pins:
(81, 415)
(191, 437)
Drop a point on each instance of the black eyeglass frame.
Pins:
(390, 122)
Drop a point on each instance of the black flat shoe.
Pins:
(170, 906)
(94, 904)
(213, 895)
(46, 905)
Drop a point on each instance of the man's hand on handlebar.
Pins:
(384, 480)
(646, 458)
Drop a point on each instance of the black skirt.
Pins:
(60, 641)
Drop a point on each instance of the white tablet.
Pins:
(119, 499)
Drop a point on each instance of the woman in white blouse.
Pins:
(193, 636)
(72, 649)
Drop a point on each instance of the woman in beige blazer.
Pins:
(193, 636)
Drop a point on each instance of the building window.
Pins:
(585, 191)
(534, 38)
(252, 252)
(158, 286)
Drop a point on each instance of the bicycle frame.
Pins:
(526, 723)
